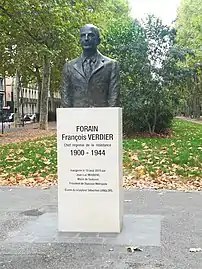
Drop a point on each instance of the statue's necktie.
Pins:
(87, 68)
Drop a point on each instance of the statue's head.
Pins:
(89, 37)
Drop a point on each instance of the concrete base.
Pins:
(143, 230)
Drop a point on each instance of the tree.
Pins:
(148, 68)
(189, 35)
(49, 30)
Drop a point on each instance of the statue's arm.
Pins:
(114, 86)
(65, 90)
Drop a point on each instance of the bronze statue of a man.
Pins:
(92, 80)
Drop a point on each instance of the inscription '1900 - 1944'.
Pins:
(92, 134)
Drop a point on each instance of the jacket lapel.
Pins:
(99, 64)
(78, 67)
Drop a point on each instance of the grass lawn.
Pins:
(174, 162)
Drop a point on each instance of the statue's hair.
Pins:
(92, 26)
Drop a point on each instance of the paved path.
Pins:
(28, 132)
(6, 126)
(10, 128)
(167, 224)
(190, 119)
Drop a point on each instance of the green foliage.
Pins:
(32, 29)
(41, 35)
(189, 35)
(148, 67)
(189, 27)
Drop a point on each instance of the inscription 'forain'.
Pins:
(87, 128)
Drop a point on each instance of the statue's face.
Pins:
(89, 38)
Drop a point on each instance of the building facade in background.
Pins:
(28, 98)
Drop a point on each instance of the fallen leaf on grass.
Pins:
(134, 158)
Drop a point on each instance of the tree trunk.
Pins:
(190, 106)
(198, 107)
(16, 96)
(52, 106)
(198, 93)
(39, 83)
(194, 105)
(4, 85)
(44, 94)
(155, 119)
(149, 127)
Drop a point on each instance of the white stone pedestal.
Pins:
(89, 147)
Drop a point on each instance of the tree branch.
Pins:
(11, 16)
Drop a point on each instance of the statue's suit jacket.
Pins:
(102, 89)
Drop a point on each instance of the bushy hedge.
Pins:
(142, 114)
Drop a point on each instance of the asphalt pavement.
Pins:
(164, 224)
